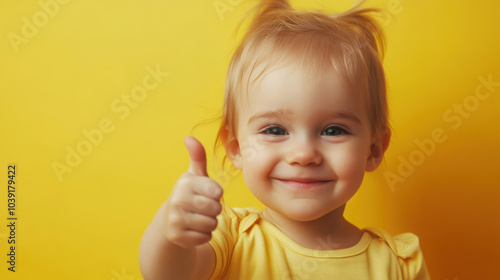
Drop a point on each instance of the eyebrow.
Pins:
(278, 114)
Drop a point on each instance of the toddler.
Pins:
(305, 116)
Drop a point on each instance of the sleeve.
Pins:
(224, 238)
(410, 257)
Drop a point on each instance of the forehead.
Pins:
(289, 86)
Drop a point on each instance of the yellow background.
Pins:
(65, 78)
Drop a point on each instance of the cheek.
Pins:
(258, 162)
(349, 162)
(256, 170)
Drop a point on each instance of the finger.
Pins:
(198, 163)
(198, 238)
(208, 187)
(205, 206)
(190, 238)
(201, 223)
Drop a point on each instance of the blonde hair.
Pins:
(351, 42)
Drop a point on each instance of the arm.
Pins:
(175, 244)
(159, 258)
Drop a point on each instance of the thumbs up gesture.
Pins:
(193, 205)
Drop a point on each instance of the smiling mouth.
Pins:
(304, 183)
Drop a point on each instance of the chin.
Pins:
(305, 213)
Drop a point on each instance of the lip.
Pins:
(303, 183)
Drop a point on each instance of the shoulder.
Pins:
(239, 219)
(238, 212)
(231, 223)
(406, 246)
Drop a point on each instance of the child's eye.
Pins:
(330, 131)
(275, 130)
(334, 131)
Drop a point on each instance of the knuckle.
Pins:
(184, 180)
(196, 201)
(174, 236)
(200, 202)
(175, 202)
(177, 206)
(175, 220)
(211, 188)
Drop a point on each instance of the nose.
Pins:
(304, 152)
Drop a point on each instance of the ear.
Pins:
(233, 152)
(377, 151)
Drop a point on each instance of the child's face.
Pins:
(289, 131)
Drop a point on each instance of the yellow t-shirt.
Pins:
(249, 247)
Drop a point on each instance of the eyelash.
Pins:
(269, 128)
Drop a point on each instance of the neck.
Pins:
(329, 232)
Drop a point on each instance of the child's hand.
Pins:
(193, 205)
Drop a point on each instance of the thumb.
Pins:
(198, 164)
